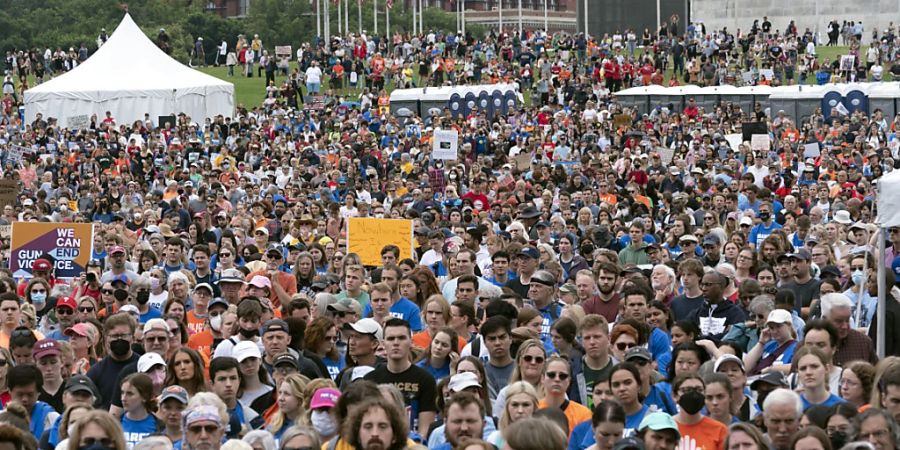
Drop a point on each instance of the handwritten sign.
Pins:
(367, 236)
(68, 244)
(446, 144)
(760, 142)
(283, 50)
(666, 154)
(78, 122)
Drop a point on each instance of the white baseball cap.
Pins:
(246, 349)
(148, 361)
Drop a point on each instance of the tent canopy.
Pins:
(130, 76)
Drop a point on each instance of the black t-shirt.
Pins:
(519, 288)
(105, 376)
(682, 306)
(55, 400)
(116, 399)
(416, 385)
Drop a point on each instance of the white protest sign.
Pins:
(665, 154)
(811, 150)
(760, 142)
(283, 50)
(445, 144)
(734, 140)
(78, 122)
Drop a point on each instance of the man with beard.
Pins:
(716, 315)
(465, 420)
(606, 301)
(377, 424)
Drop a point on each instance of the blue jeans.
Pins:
(313, 88)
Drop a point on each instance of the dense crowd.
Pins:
(635, 282)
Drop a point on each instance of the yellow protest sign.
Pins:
(367, 236)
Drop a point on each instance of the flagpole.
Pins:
(375, 17)
(387, 22)
(463, 15)
(421, 15)
(520, 18)
(500, 19)
(339, 24)
(359, 15)
(347, 16)
(319, 18)
(327, 22)
(414, 17)
(546, 20)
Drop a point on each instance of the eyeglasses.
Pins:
(623, 346)
(561, 376)
(105, 442)
(533, 359)
(39, 291)
(209, 429)
(158, 339)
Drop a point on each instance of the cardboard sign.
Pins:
(69, 244)
(811, 150)
(760, 142)
(734, 140)
(445, 144)
(9, 189)
(666, 154)
(622, 120)
(367, 236)
(283, 50)
(78, 122)
(523, 162)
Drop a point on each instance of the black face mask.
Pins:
(121, 295)
(142, 297)
(119, 347)
(249, 334)
(838, 439)
(692, 402)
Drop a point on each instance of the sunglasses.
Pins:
(224, 255)
(209, 429)
(561, 376)
(622, 346)
(64, 311)
(533, 359)
(38, 291)
(86, 309)
(107, 291)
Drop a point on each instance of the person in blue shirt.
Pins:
(137, 402)
(765, 227)
(776, 345)
(225, 380)
(441, 354)
(625, 383)
(399, 307)
(172, 402)
(636, 301)
(813, 366)
(24, 384)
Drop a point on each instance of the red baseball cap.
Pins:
(117, 249)
(41, 264)
(46, 347)
(66, 302)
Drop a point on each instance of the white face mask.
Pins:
(215, 322)
(323, 422)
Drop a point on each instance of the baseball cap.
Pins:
(130, 309)
(285, 358)
(80, 329)
(275, 249)
(773, 378)
(275, 325)
(324, 398)
(629, 443)
(779, 316)
(81, 383)
(246, 349)
(689, 238)
(346, 305)
(218, 301)
(830, 270)
(263, 230)
(156, 324)
(66, 302)
(360, 372)
(728, 358)
(231, 276)
(462, 381)
(148, 361)
(710, 239)
(116, 249)
(746, 221)
(802, 253)
(366, 326)
(203, 286)
(530, 252)
(544, 277)
(45, 347)
(260, 282)
(638, 353)
(174, 391)
(659, 421)
(41, 264)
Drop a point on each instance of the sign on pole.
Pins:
(367, 236)
(69, 245)
(445, 144)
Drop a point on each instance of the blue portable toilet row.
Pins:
(494, 99)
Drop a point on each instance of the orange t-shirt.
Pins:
(422, 340)
(195, 324)
(707, 434)
(202, 342)
(575, 412)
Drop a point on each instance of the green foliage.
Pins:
(28, 24)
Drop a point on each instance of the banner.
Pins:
(367, 236)
(283, 50)
(666, 154)
(445, 144)
(78, 122)
(16, 153)
(68, 244)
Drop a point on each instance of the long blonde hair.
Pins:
(519, 387)
(297, 384)
(517, 372)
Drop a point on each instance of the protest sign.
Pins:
(16, 153)
(622, 120)
(283, 50)
(734, 140)
(367, 236)
(445, 144)
(9, 189)
(760, 142)
(314, 103)
(523, 162)
(78, 122)
(811, 150)
(666, 154)
(68, 244)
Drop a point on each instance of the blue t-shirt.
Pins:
(785, 358)
(334, 367)
(830, 401)
(633, 421)
(402, 309)
(760, 232)
(136, 430)
(152, 313)
(439, 373)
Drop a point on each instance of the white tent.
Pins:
(130, 76)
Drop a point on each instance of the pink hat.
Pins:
(325, 398)
(260, 282)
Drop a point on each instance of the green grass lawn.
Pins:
(249, 92)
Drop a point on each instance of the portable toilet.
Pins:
(761, 95)
(808, 101)
(406, 98)
(743, 96)
(856, 97)
(637, 98)
(884, 96)
(785, 98)
(832, 96)
(658, 96)
(690, 91)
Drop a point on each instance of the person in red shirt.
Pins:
(691, 109)
(477, 195)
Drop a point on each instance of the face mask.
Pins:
(143, 297)
(120, 295)
(838, 439)
(38, 298)
(154, 283)
(692, 402)
(119, 347)
(764, 216)
(323, 422)
(249, 334)
(215, 322)
(857, 277)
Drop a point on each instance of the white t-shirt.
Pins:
(314, 75)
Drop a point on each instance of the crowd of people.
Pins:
(635, 282)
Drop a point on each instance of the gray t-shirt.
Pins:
(804, 293)
(498, 377)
